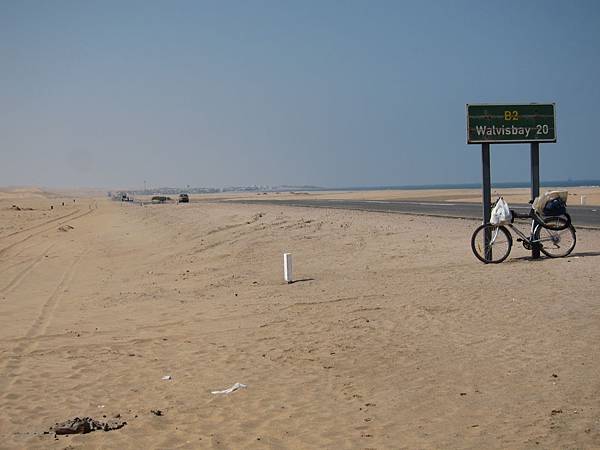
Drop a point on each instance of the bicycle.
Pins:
(554, 236)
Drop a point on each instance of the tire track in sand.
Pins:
(19, 263)
(23, 273)
(47, 222)
(39, 326)
(8, 247)
(19, 252)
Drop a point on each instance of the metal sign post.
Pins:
(535, 186)
(503, 124)
(487, 194)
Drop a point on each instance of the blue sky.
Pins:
(344, 93)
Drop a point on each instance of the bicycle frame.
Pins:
(529, 240)
(536, 222)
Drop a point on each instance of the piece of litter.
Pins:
(166, 377)
(233, 388)
(100, 406)
(65, 228)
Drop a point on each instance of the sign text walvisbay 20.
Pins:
(511, 123)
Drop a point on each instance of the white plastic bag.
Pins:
(500, 213)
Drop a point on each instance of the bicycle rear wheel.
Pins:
(499, 243)
(557, 240)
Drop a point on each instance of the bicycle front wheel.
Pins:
(558, 240)
(499, 243)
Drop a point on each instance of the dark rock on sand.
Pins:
(85, 425)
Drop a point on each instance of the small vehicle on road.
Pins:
(184, 198)
(160, 199)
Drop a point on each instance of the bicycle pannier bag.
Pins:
(555, 207)
(540, 202)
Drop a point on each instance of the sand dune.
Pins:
(394, 336)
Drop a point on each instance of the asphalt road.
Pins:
(586, 216)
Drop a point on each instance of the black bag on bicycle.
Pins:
(555, 207)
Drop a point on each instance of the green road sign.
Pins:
(510, 123)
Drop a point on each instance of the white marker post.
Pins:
(583, 200)
(287, 267)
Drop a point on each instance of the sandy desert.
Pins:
(392, 336)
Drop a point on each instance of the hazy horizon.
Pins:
(115, 94)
